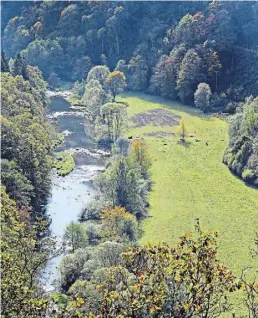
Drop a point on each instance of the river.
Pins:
(70, 194)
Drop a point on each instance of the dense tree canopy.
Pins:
(182, 281)
(241, 156)
(26, 142)
(199, 53)
(156, 45)
(21, 262)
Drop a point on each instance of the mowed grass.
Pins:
(192, 182)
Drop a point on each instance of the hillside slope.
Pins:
(192, 182)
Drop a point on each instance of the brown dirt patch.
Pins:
(155, 117)
(159, 134)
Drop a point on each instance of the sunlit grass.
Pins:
(192, 182)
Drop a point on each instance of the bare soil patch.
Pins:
(155, 117)
(159, 134)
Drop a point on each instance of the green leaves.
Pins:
(20, 262)
(26, 140)
(64, 163)
(242, 153)
(116, 82)
(187, 280)
(114, 117)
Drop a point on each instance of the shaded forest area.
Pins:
(165, 48)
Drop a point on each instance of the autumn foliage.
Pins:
(140, 155)
(118, 224)
(163, 281)
(116, 82)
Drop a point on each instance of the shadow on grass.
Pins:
(248, 184)
(169, 104)
(185, 143)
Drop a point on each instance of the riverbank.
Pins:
(72, 192)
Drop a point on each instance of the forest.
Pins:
(152, 108)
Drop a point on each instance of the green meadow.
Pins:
(191, 182)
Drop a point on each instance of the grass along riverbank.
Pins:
(63, 163)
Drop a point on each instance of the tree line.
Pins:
(26, 160)
(27, 138)
(162, 48)
(241, 155)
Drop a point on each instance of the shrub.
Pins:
(64, 163)
(93, 233)
(248, 175)
(92, 210)
(118, 224)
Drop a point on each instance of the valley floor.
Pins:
(191, 181)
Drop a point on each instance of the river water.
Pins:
(71, 193)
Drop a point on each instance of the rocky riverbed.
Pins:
(71, 193)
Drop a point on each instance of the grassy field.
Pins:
(191, 182)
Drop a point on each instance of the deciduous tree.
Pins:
(114, 116)
(189, 76)
(75, 237)
(21, 262)
(99, 73)
(182, 281)
(118, 224)
(116, 82)
(181, 130)
(140, 156)
(202, 97)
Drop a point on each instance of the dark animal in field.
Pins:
(130, 137)
(197, 140)
(207, 144)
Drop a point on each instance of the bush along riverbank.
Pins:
(241, 155)
(110, 223)
(63, 163)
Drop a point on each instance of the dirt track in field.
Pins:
(159, 134)
(155, 117)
